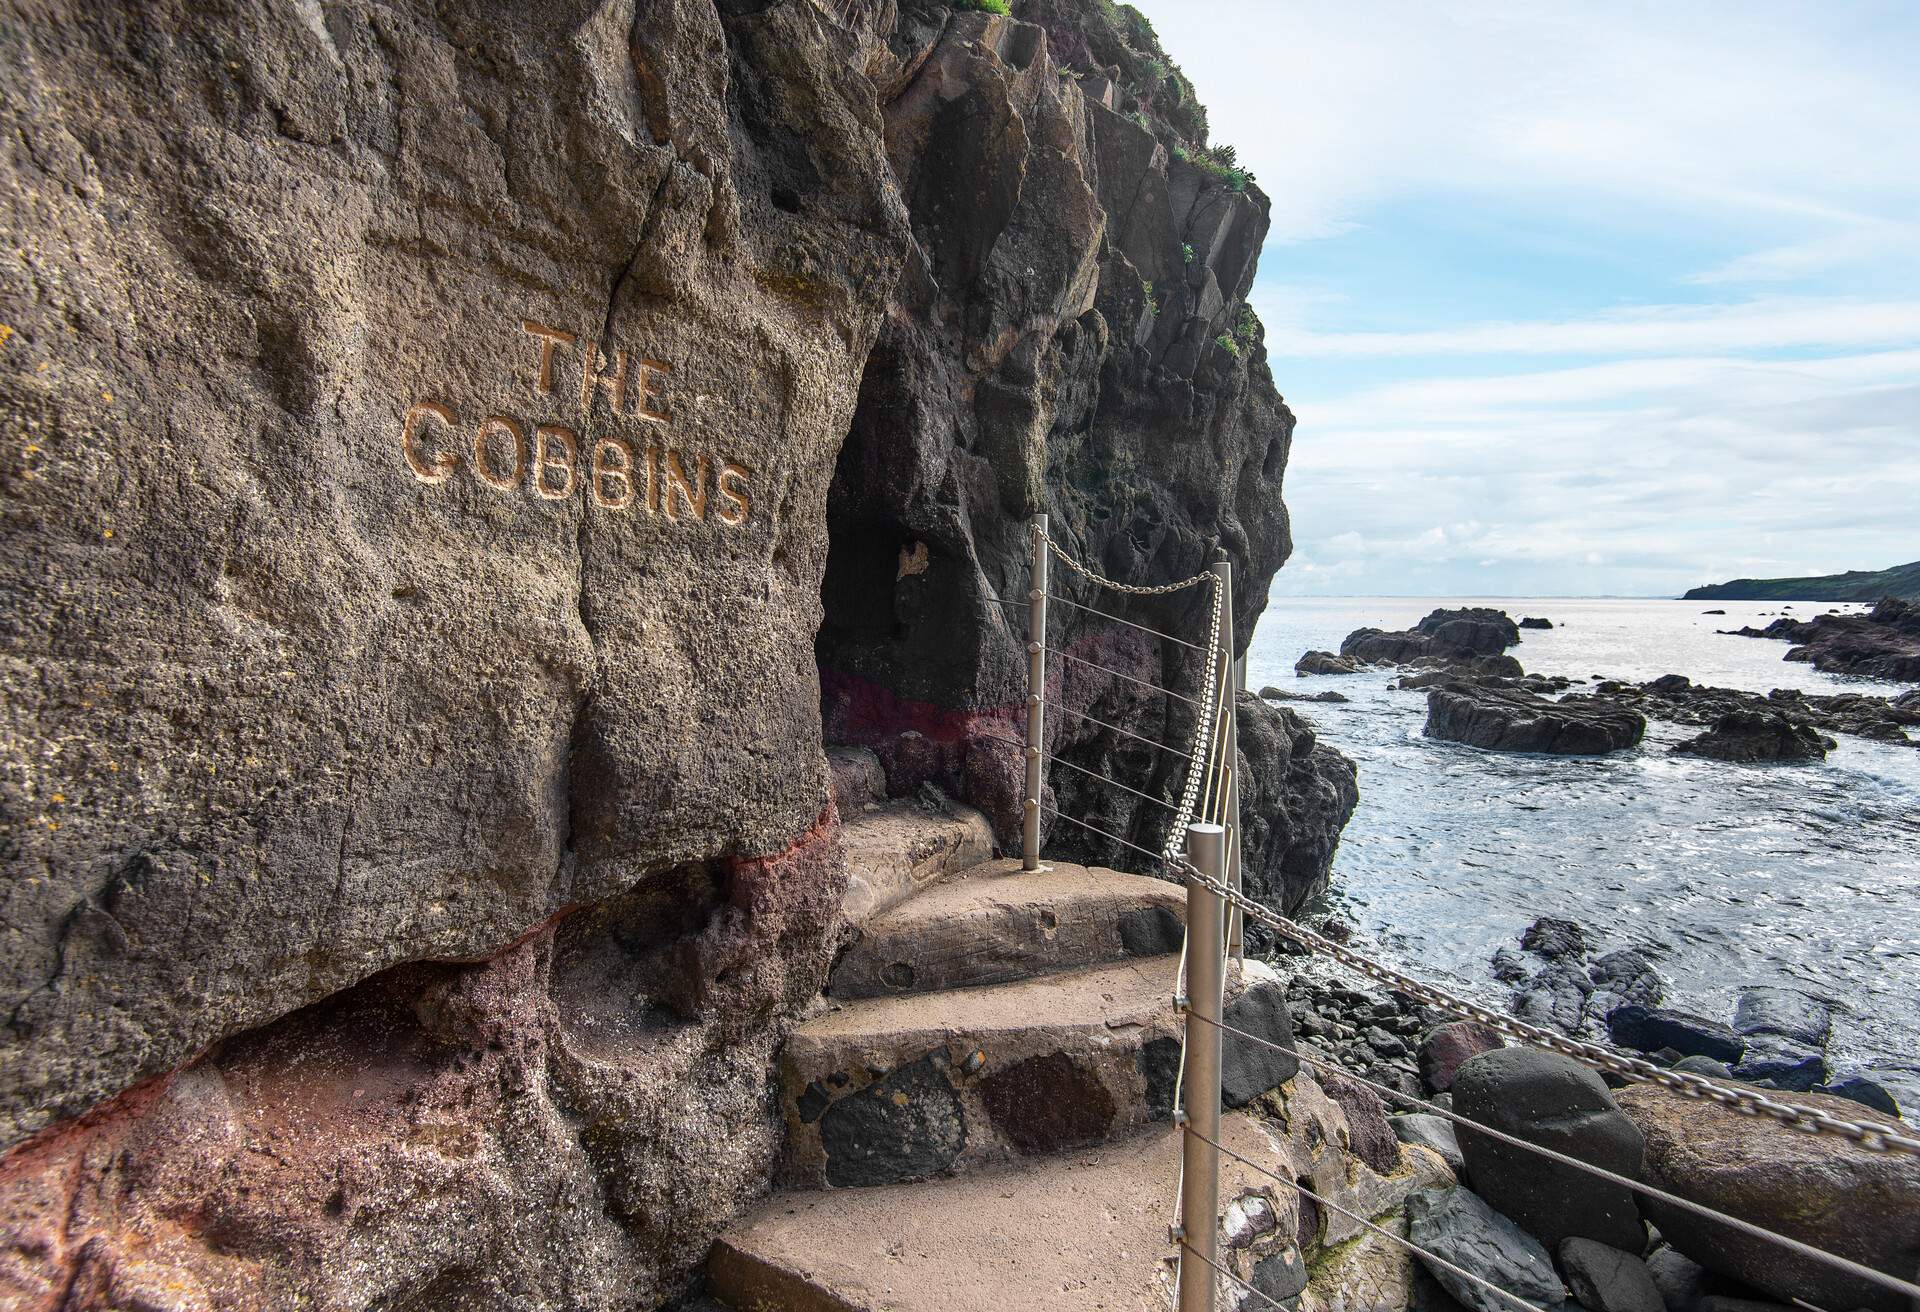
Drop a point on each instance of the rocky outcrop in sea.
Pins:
(1882, 644)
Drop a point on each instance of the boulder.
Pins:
(1509, 967)
(1786, 1063)
(1680, 1280)
(1768, 1009)
(1757, 736)
(1556, 996)
(1459, 1227)
(1370, 1134)
(1426, 1130)
(1604, 1279)
(1508, 720)
(1536, 622)
(1857, 1088)
(1444, 635)
(1706, 1066)
(1554, 1101)
(1325, 662)
(1273, 694)
(1823, 1190)
(1444, 1049)
(1649, 1029)
(1622, 978)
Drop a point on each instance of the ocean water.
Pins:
(1729, 875)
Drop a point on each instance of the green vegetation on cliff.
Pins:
(1854, 585)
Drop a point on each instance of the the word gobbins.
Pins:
(550, 461)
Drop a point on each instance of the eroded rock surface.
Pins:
(1445, 634)
(1881, 644)
(1510, 720)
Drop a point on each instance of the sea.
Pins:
(1806, 876)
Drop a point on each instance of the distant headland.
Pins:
(1854, 585)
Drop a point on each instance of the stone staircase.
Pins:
(979, 1114)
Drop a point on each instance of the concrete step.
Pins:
(996, 923)
(1084, 1230)
(889, 1090)
(895, 849)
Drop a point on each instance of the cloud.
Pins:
(1764, 324)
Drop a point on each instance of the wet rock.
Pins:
(1785, 1063)
(1882, 644)
(1550, 1100)
(1325, 662)
(1458, 1226)
(1509, 967)
(1621, 978)
(1535, 622)
(1426, 1130)
(1674, 697)
(1858, 1088)
(1556, 997)
(1867, 1209)
(1707, 1066)
(1756, 736)
(1648, 1029)
(1443, 1051)
(1604, 1279)
(1555, 939)
(1767, 1009)
(1680, 1280)
(1273, 694)
(1513, 721)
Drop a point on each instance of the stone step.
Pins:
(895, 849)
(996, 923)
(889, 1090)
(1078, 1231)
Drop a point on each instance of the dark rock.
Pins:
(1767, 1009)
(1707, 1066)
(1882, 644)
(1296, 794)
(1458, 1227)
(1444, 1050)
(1623, 977)
(1048, 1104)
(1753, 736)
(1444, 634)
(1512, 721)
(1249, 1069)
(1821, 1189)
(1604, 1279)
(1673, 697)
(908, 1126)
(1785, 1063)
(1159, 1064)
(1426, 1130)
(1273, 694)
(1680, 1280)
(1556, 996)
(1729, 1303)
(1509, 967)
(1325, 662)
(1648, 1029)
(1370, 1135)
(1713, 612)
(1151, 931)
(1535, 622)
(1555, 939)
(1550, 1100)
(1858, 1088)
(1282, 1275)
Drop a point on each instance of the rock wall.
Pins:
(1071, 337)
(417, 525)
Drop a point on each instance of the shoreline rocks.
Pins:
(1447, 634)
(1510, 720)
(1884, 643)
(1753, 736)
(1677, 698)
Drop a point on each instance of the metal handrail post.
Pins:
(1229, 677)
(1200, 1112)
(1036, 691)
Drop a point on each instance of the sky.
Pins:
(1581, 298)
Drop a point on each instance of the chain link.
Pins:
(1638, 1070)
(1132, 590)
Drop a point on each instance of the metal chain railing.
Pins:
(1202, 849)
(1635, 1069)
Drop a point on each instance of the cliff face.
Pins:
(414, 810)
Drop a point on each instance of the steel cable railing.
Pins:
(1799, 1248)
(1206, 824)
